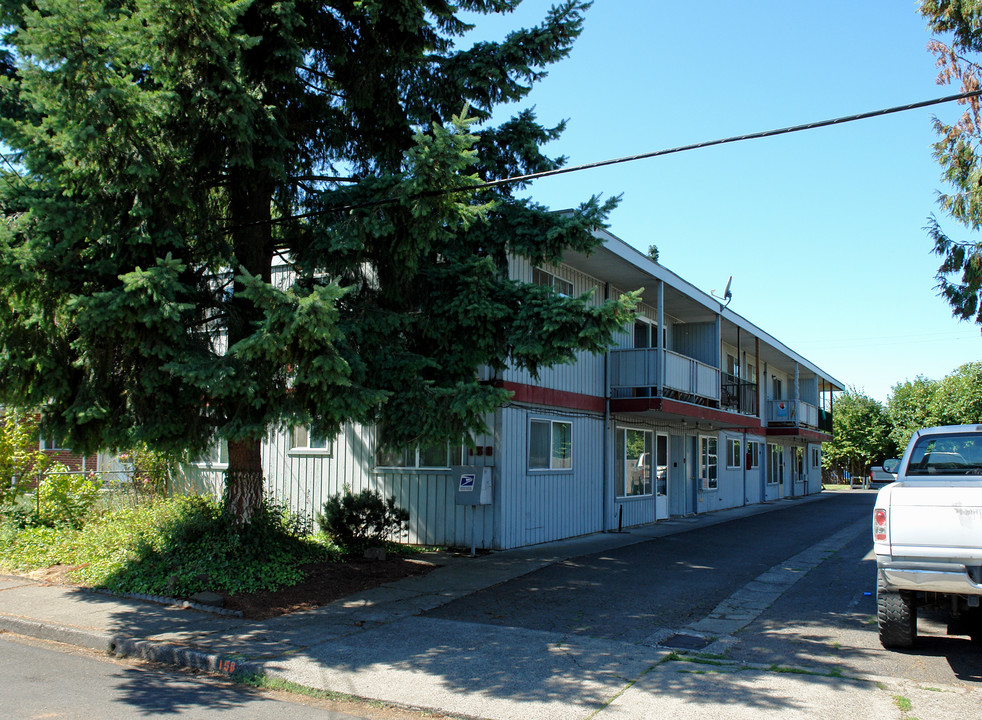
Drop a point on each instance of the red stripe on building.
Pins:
(686, 411)
(555, 398)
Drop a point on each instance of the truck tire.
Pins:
(896, 616)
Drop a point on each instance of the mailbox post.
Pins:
(473, 488)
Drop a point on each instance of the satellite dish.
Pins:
(727, 295)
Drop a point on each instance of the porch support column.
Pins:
(760, 399)
(739, 377)
(797, 395)
(660, 344)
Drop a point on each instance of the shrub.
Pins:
(198, 547)
(66, 498)
(150, 471)
(171, 547)
(20, 459)
(353, 520)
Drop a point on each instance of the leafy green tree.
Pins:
(169, 153)
(957, 151)
(958, 398)
(21, 460)
(954, 400)
(861, 434)
(910, 408)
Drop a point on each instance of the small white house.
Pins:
(693, 409)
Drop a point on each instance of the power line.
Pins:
(616, 161)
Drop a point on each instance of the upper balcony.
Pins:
(795, 413)
(635, 373)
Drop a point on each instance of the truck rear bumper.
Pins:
(932, 577)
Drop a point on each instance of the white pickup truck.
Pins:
(927, 535)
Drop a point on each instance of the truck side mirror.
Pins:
(891, 465)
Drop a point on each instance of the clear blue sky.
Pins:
(822, 230)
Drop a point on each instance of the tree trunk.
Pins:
(243, 480)
(250, 200)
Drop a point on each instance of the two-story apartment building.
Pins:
(694, 409)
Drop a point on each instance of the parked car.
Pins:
(927, 535)
(879, 476)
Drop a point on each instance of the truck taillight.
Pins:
(880, 524)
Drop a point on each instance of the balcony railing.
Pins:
(738, 395)
(792, 412)
(634, 373)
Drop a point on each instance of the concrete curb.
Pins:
(91, 639)
(152, 651)
(183, 657)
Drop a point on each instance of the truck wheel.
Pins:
(897, 618)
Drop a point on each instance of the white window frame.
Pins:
(658, 468)
(215, 458)
(549, 279)
(303, 443)
(553, 466)
(709, 462)
(798, 463)
(816, 457)
(734, 453)
(773, 476)
(753, 447)
(417, 454)
(51, 442)
(621, 463)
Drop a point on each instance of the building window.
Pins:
(816, 458)
(645, 334)
(51, 441)
(708, 462)
(775, 468)
(751, 373)
(550, 445)
(419, 457)
(547, 279)
(634, 456)
(797, 463)
(216, 456)
(732, 453)
(304, 442)
(661, 465)
(753, 455)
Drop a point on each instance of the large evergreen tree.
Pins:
(957, 48)
(164, 154)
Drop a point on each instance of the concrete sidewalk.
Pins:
(376, 645)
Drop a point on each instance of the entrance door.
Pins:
(661, 476)
(775, 467)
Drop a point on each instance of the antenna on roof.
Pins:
(727, 295)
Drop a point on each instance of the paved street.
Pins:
(746, 614)
(657, 592)
(48, 680)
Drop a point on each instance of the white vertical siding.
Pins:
(586, 374)
(538, 506)
(304, 481)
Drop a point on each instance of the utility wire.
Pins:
(616, 161)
